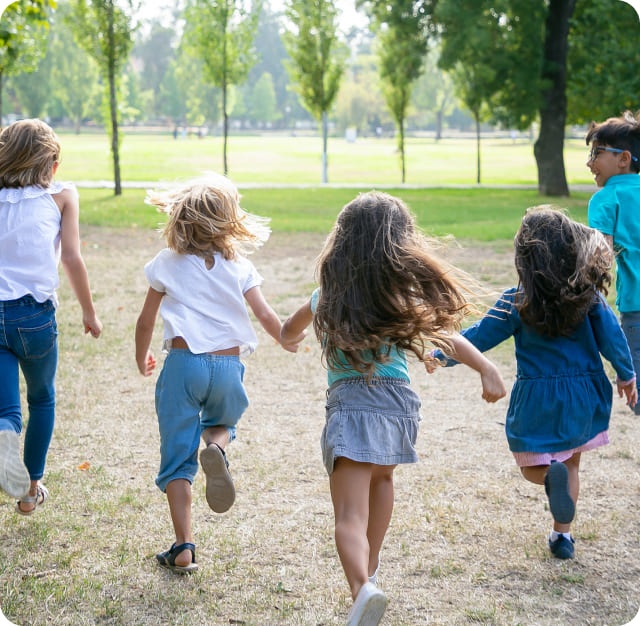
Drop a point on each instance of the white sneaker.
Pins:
(14, 477)
(374, 577)
(368, 607)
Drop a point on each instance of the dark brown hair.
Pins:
(561, 265)
(381, 285)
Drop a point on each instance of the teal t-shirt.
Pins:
(615, 210)
(395, 367)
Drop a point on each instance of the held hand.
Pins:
(431, 364)
(148, 365)
(293, 344)
(628, 389)
(492, 385)
(92, 325)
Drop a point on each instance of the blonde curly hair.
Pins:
(205, 217)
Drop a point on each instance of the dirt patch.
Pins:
(467, 543)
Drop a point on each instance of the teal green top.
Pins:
(395, 367)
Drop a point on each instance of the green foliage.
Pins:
(317, 56)
(221, 34)
(402, 28)
(23, 37)
(604, 50)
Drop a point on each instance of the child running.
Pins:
(39, 228)
(561, 400)
(200, 283)
(382, 294)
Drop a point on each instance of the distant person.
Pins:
(614, 210)
(382, 294)
(38, 229)
(199, 283)
(561, 400)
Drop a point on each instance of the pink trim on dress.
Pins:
(530, 459)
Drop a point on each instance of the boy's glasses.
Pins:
(596, 150)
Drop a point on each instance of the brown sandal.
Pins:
(42, 493)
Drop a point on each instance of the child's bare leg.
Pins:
(179, 499)
(216, 435)
(381, 499)
(349, 484)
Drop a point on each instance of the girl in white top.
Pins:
(38, 229)
(199, 284)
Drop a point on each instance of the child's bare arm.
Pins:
(144, 332)
(267, 317)
(72, 261)
(294, 327)
(493, 387)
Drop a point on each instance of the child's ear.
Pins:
(55, 167)
(624, 162)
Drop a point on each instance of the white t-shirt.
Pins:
(204, 306)
(30, 242)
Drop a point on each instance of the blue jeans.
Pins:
(630, 323)
(195, 392)
(29, 342)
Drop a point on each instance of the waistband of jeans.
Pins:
(375, 381)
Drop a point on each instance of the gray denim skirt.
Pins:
(371, 422)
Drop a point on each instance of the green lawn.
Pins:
(279, 178)
(479, 214)
(284, 159)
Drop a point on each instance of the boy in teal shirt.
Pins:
(615, 211)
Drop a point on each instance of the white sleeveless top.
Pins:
(30, 242)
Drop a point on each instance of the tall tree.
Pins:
(549, 147)
(522, 63)
(221, 33)
(104, 30)
(318, 59)
(23, 37)
(402, 28)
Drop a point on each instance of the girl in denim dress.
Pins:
(561, 400)
(38, 229)
(382, 294)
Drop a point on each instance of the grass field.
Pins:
(467, 542)
(466, 545)
(282, 159)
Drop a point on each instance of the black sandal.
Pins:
(168, 559)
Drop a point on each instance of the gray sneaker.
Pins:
(14, 477)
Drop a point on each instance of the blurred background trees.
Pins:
(411, 68)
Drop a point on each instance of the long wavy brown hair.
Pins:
(561, 266)
(381, 285)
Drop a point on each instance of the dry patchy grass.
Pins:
(467, 543)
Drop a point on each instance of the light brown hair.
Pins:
(28, 150)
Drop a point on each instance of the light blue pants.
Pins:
(195, 392)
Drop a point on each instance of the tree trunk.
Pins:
(549, 147)
(477, 116)
(225, 128)
(325, 133)
(1, 89)
(113, 104)
(402, 155)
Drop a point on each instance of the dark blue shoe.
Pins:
(556, 484)
(562, 548)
